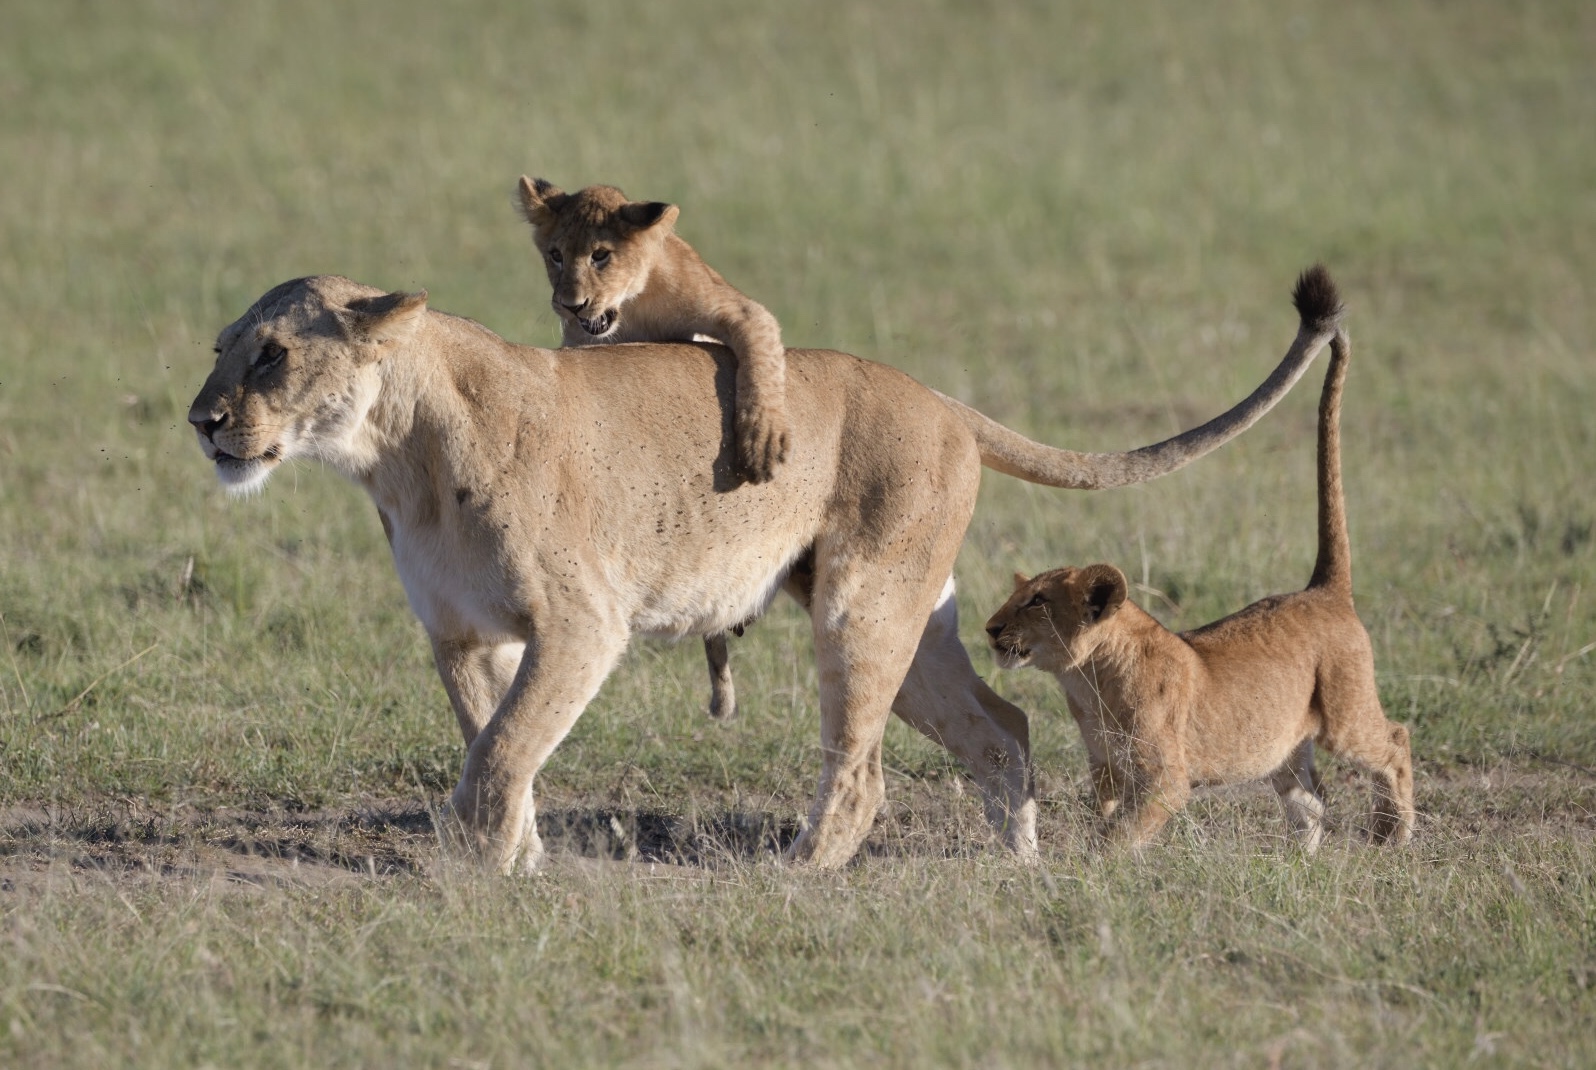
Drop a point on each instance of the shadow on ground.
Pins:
(125, 841)
(266, 847)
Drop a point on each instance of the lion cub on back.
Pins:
(621, 274)
(1239, 699)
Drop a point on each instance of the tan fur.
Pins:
(1242, 698)
(651, 286)
(544, 505)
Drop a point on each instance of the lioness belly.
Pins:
(711, 604)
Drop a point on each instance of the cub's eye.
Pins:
(554, 255)
(1036, 600)
(271, 355)
(601, 257)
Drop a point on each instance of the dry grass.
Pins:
(219, 728)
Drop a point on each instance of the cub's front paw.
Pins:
(762, 441)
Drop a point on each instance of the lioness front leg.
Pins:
(558, 675)
(476, 674)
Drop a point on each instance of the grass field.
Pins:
(221, 735)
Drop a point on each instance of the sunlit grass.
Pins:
(1085, 220)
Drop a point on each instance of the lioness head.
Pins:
(296, 375)
(1053, 621)
(597, 246)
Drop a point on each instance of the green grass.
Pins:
(219, 723)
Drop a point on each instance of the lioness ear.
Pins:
(541, 200)
(1105, 591)
(1020, 580)
(645, 215)
(385, 318)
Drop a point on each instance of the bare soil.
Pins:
(127, 842)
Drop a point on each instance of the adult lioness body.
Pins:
(543, 505)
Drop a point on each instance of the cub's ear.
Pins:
(1105, 588)
(541, 200)
(649, 215)
(385, 318)
(1020, 580)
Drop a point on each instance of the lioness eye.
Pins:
(600, 255)
(1036, 600)
(270, 355)
(554, 255)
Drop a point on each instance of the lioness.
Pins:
(621, 273)
(1239, 699)
(544, 505)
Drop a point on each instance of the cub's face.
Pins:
(598, 249)
(1053, 621)
(296, 375)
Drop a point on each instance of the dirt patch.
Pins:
(130, 843)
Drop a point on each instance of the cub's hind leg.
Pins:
(1391, 762)
(1355, 727)
(1298, 786)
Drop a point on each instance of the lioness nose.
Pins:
(575, 308)
(207, 419)
(994, 630)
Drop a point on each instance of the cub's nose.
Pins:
(575, 310)
(994, 630)
(207, 419)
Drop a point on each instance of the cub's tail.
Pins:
(1333, 569)
(1011, 453)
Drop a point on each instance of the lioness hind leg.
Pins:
(943, 698)
(722, 691)
(1298, 786)
(864, 653)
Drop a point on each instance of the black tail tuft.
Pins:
(1316, 299)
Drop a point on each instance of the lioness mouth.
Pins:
(600, 324)
(271, 453)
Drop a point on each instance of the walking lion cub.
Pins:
(1239, 699)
